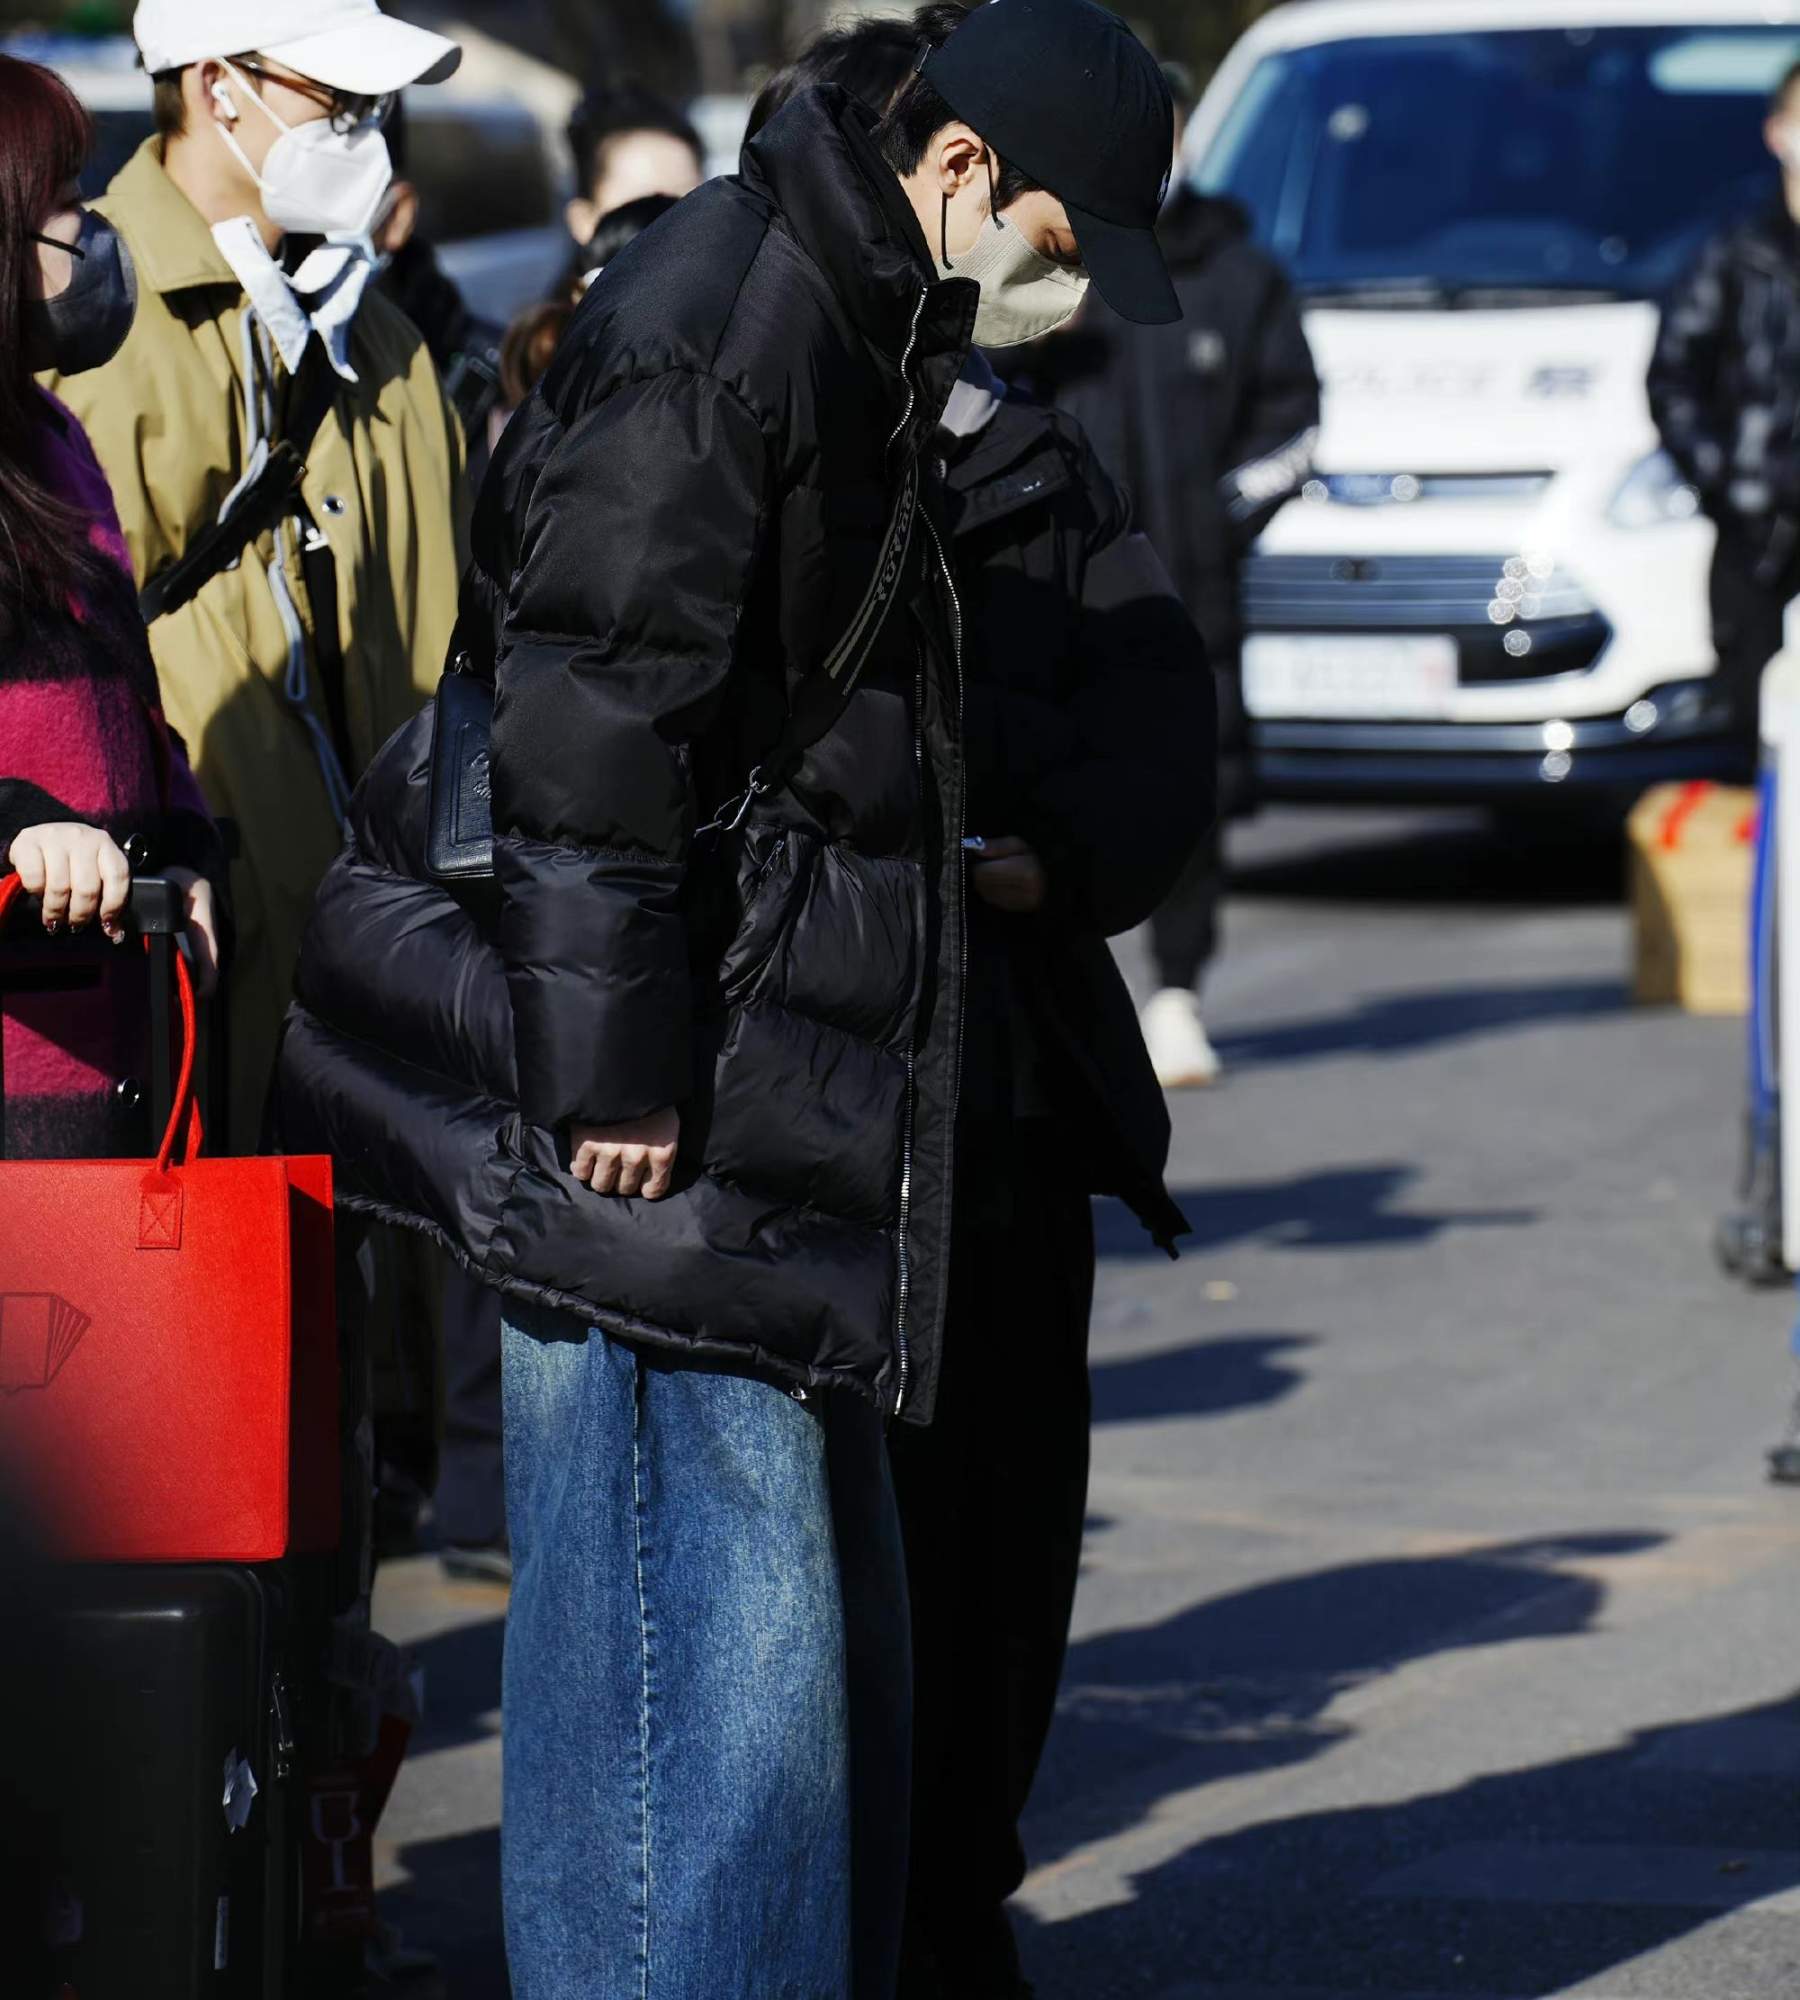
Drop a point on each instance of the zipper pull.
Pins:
(283, 1727)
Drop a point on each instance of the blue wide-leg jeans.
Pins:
(707, 1685)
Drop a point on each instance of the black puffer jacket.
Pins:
(1091, 733)
(676, 530)
(1725, 377)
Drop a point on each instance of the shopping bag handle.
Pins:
(184, 1114)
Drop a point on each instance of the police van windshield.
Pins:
(1507, 167)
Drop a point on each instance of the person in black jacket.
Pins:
(465, 347)
(1092, 754)
(1210, 425)
(1724, 388)
(1091, 757)
(682, 1080)
(1725, 392)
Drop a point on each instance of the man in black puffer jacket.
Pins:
(1090, 752)
(1725, 392)
(689, 1097)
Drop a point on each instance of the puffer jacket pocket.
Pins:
(771, 877)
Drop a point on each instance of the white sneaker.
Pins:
(1176, 1037)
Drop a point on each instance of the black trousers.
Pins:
(469, 1505)
(1184, 933)
(1752, 584)
(993, 1497)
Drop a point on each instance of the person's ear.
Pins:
(960, 153)
(581, 216)
(216, 94)
(1774, 134)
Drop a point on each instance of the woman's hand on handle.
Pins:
(635, 1158)
(76, 872)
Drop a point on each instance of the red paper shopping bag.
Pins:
(168, 1348)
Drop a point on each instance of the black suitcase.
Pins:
(160, 1779)
(147, 1841)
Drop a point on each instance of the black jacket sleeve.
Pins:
(24, 804)
(1684, 371)
(1117, 819)
(1270, 451)
(640, 542)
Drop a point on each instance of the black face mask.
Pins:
(85, 325)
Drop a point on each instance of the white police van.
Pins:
(1495, 586)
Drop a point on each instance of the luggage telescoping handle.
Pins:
(156, 912)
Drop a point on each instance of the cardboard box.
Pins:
(1693, 855)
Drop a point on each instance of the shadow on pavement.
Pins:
(451, 1904)
(1528, 1882)
(1430, 858)
(462, 1681)
(1205, 1379)
(1243, 1683)
(452, 1907)
(1401, 1022)
(1335, 1209)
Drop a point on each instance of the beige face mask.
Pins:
(1023, 295)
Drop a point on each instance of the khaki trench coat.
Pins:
(384, 483)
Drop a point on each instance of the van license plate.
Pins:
(1359, 675)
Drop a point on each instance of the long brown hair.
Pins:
(44, 138)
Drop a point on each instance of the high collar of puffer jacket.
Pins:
(817, 161)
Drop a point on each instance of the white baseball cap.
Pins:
(348, 45)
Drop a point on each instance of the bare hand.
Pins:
(1008, 874)
(636, 1158)
(75, 871)
(202, 928)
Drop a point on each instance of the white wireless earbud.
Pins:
(221, 96)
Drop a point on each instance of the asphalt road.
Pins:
(1438, 1634)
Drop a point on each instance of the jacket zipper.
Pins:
(902, 1248)
(906, 1160)
(912, 341)
(962, 820)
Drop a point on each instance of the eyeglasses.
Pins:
(54, 243)
(346, 109)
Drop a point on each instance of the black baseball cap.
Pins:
(1065, 92)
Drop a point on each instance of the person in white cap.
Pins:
(300, 599)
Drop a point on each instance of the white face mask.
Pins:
(1023, 295)
(314, 181)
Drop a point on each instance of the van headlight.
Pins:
(1653, 493)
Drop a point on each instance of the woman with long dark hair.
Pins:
(89, 769)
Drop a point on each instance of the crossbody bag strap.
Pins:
(269, 496)
(459, 840)
(820, 700)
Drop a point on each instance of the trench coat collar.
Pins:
(171, 243)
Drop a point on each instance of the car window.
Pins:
(1556, 159)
